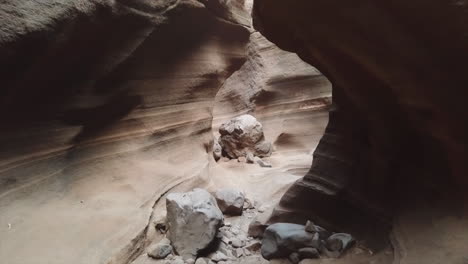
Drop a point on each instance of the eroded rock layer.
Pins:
(101, 103)
(396, 142)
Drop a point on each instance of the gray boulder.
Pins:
(282, 239)
(337, 244)
(230, 201)
(193, 219)
(160, 250)
(243, 135)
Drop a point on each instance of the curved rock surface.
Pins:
(101, 102)
(108, 105)
(396, 143)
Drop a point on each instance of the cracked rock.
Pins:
(193, 219)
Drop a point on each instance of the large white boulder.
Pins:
(243, 135)
(193, 219)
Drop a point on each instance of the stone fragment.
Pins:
(238, 252)
(258, 225)
(338, 243)
(230, 201)
(217, 150)
(262, 163)
(243, 135)
(160, 250)
(190, 261)
(263, 149)
(201, 261)
(237, 242)
(308, 253)
(250, 158)
(254, 246)
(177, 260)
(193, 219)
(219, 256)
(249, 203)
(310, 227)
(294, 258)
(282, 239)
(242, 159)
(247, 252)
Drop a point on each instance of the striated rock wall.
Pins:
(289, 97)
(396, 144)
(101, 104)
(108, 105)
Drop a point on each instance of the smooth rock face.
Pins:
(243, 135)
(230, 201)
(193, 219)
(282, 239)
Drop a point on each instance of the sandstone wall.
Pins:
(105, 106)
(395, 150)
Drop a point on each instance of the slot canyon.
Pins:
(233, 132)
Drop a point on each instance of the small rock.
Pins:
(177, 260)
(262, 209)
(250, 158)
(254, 246)
(190, 261)
(249, 204)
(282, 239)
(247, 252)
(238, 252)
(235, 230)
(225, 159)
(201, 261)
(219, 256)
(159, 251)
(242, 159)
(310, 227)
(294, 258)
(238, 243)
(230, 201)
(338, 243)
(308, 253)
(258, 225)
(262, 163)
(217, 150)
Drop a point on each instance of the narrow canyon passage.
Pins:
(109, 107)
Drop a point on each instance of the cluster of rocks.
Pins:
(242, 138)
(297, 242)
(197, 233)
(195, 223)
